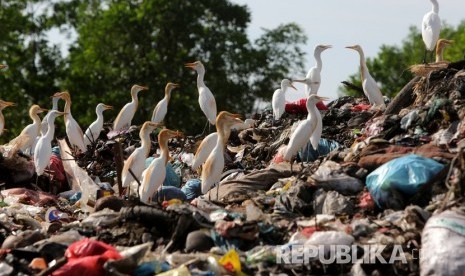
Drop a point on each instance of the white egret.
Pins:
(136, 161)
(279, 98)
(209, 142)
(43, 149)
(431, 27)
(440, 46)
(370, 87)
(27, 138)
(154, 176)
(206, 99)
(161, 109)
(213, 167)
(3, 104)
(124, 118)
(313, 79)
(307, 130)
(73, 130)
(44, 124)
(93, 131)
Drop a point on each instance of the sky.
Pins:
(369, 23)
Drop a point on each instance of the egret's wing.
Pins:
(372, 91)
(278, 104)
(211, 172)
(205, 148)
(125, 174)
(124, 117)
(299, 138)
(315, 77)
(160, 111)
(431, 27)
(207, 104)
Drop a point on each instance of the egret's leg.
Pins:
(424, 57)
(205, 128)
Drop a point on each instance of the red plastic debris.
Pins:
(308, 231)
(87, 257)
(57, 170)
(300, 107)
(366, 201)
(360, 107)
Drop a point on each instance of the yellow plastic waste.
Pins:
(230, 261)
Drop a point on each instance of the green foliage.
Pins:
(390, 68)
(34, 68)
(121, 43)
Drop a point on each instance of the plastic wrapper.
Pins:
(405, 175)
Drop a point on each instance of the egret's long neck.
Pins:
(223, 134)
(99, 113)
(134, 98)
(312, 110)
(35, 118)
(145, 141)
(200, 75)
(51, 128)
(363, 65)
(435, 6)
(165, 152)
(439, 53)
(54, 105)
(67, 107)
(319, 63)
(168, 95)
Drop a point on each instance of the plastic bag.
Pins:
(443, 245)
(192, 188)
(87, 257)
(405, 175)
(231, 262)
(325, 146)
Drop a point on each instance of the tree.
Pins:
(121, 43)
(34, 68)
(390, 68)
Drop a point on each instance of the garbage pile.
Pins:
(382, 194)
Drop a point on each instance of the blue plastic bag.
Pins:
(308, 154)
(405, 174)
(169, 193)
(192, 188)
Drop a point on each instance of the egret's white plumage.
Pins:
(206, 99)
(279, 98)
(43, 149)
(154, 176)
(431, 26)
(3, 104)
(370, 87)
(26, 139)
(73, 130)
(440, 46)
(213, 167)
(313, 78)
(93, 131)
(161, 108)
(136, 161)
(44, 123)
(124, 118)
(209, 142)
(307, 130)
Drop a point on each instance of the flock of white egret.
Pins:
(37, 137)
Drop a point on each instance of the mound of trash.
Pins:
(382, 194)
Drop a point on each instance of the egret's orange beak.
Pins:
(190, 65)
(302, 81)
(62, 113)
(175, 85)
(42, 110)
(108, 107)
(292, 86)
(9, 104)
(351, 47)
(2, 66)
(322, 98)
(144, 88)
(179, 134)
